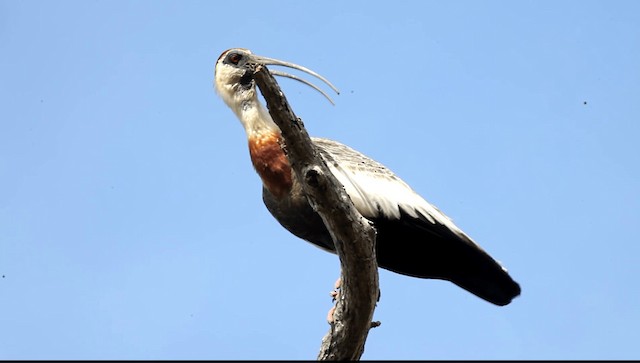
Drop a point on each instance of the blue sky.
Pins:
(131, 220)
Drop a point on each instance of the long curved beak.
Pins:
(277, 62)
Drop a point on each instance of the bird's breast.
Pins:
(271, 163)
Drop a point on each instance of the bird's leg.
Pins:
(334, 298)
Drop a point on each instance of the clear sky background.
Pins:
(131, 220)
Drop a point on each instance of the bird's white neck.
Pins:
(254, 117)
(265, 149)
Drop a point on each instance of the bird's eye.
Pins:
(234, 58)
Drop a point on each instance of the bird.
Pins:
(413, 237)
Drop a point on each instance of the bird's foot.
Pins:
(334, 298)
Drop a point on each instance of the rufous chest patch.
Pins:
(271, 163)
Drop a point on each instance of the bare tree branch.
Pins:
(352, 234)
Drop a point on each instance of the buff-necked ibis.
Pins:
(413, 237)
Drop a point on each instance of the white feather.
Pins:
(374, 189)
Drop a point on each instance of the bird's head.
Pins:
(234, 76)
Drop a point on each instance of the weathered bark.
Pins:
(352, 234)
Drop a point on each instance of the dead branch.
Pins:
(353, 236)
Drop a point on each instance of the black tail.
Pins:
(418, 248)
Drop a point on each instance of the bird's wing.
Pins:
(375, 190)
(414, 237)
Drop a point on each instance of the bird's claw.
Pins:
(334, 295)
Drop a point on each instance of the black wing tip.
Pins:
(507, 298)
(500, 294)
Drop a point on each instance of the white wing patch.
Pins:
(375, 190)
